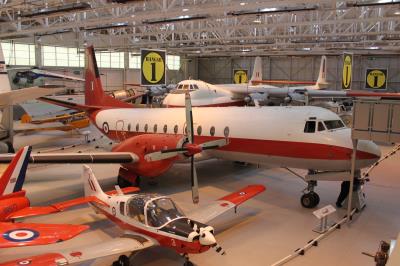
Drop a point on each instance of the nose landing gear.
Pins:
(122, 261)
(187, 261)
(310, 199)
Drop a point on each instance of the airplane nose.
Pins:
(373, 151)
(207, 238)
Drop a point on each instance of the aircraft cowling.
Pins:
(10, 205)
(294, 97)
(149, 143)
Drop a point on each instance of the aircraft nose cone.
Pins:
(373, 150)
(207, 238)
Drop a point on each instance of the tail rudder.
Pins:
(94, 93)
(321, 81)
(90, 183)
(257, 70)
(4, 79)
(13, 178)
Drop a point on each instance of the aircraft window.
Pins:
(129, 127)
(186, 87)
(191, 87)
(155, 128)
(199, 130)
(161, 211)
(165, 128)
(226, 132)
(309, 127)
(176, 129)
(195, 87)
(212, 131)
(146, 127)
(333, 124)
(122, 208)
(180, 87)
(136, 208)
(137, 127)
(321, 126)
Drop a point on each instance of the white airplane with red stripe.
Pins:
(303, 137)
(147, 219)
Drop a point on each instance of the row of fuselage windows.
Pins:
(198, 130)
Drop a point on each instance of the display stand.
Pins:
(323, 214)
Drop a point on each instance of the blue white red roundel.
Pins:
(21, 235)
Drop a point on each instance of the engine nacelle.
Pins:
(149, 143)
(12, 204)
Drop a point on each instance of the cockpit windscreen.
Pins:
(333, 124)
(161, 211)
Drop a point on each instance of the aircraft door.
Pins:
(119, 127)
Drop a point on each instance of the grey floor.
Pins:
(264, 230)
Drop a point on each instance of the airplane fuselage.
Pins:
(273, 136)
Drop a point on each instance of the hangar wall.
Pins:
(220, 69)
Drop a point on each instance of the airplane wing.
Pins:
(61, 206)
(283, 82)
(48, 74)
(343, 94)
(222, 205)
(28, 234)
(124, 244)
(101, 157)
(21, 95)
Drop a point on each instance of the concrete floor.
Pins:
(264, 230)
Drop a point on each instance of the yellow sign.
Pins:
(153, 67)
(347, 71)
(240, 76)
(376, 79)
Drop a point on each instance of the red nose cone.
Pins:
(192, 149)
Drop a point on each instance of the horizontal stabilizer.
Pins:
(78, 158)
(58, 207)
(27, 234)
(22, 95)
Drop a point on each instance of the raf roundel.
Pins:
(106, 128)
(21, 235)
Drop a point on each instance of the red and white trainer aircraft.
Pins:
(147, 220)
(13, 200)
(303, 137)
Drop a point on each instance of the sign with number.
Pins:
(347, 71)
(240, 76)
(153, 67)
(376, 79)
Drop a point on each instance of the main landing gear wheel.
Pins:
(188, 263)
(122, 261)
(309, 200)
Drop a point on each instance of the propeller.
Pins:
(189, 148)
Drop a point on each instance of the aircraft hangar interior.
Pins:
(199, 132)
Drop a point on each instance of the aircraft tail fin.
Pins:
(257, 70)
(321, 81)
(91, 185)
(13, 178)
(4, 79)
(94, 93)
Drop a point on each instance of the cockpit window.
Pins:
(321, 126)
(191, 87)
(186, 87)
(309, 127)
(179, 87)
(135, 208)
(195, 87)
(161, 211)
(333, 124)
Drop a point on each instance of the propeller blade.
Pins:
(189, 117)
(214, 144)
(159, 155)
(219, 249)
(195, 185)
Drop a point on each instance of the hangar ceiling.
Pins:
(208, 27)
